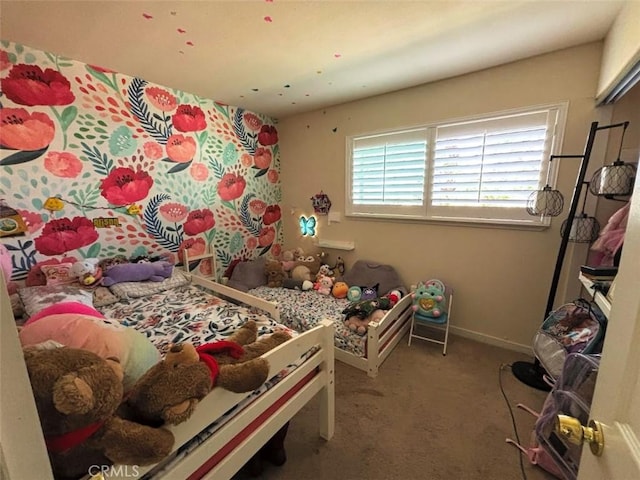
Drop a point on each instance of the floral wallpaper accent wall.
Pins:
(99, 163)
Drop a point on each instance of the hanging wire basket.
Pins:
(584, 229)
(545, 202)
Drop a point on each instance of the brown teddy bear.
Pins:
(275, 273)
(77, 394)
(171, 389)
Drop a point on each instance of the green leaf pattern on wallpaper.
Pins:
(99, 163)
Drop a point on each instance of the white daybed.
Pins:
(22, 448)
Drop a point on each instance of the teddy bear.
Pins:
(77, 394)
(86, 271)
(170, 390)
(275, 273)
(137, 272)
(306, 268)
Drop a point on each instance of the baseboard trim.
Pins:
(488, 339)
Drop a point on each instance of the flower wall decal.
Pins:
(80, 143)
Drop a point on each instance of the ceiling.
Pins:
(281, 57)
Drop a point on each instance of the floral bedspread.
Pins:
(186, 314)
(303, 310)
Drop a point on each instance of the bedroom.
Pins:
(478, 261)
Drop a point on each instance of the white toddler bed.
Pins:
(302, 310)
(213, 443)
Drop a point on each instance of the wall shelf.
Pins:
(335, 244)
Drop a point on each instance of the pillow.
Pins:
(102, 336)
(102, 297)
(249, 274)
(365, 273)
(59, 274)
(125, 290)
(38, 298)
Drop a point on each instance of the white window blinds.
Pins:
(476, 170)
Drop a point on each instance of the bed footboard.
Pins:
(222, 454)
(382, 337)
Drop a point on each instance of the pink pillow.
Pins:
(65, 307)
(59, 274)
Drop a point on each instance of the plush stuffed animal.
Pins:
(359, 325)
(323, 285)
(137, 272)
(302, 285)
(429, 299)
(340, 290)
(171, 389)
(275, 273)
(306, 268)
(354, 293)
(86, 271)
(288, 261)
(77, 394)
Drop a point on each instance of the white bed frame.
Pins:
(382, 335)
(22, 448)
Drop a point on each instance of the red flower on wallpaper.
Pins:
(189, 118)
(63, 235)
(152, 150)
(63, 164)
(267, 236)
(32, 219)
(257, 206)
(252, 121)
(268, 135)
(231, 186)
(123, 186)
(173, 212)
(21, 130)
(161, 99)
(272, 176)
(194, 247)
(30, 85)
(262, 158)
(199, 172)
(271, 215)
(199, 221)
(181, 149)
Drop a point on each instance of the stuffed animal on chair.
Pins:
(429, 299)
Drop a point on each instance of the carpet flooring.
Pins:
(425, 416)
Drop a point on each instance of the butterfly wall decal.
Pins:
(308, 226)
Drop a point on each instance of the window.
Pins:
(474, 170)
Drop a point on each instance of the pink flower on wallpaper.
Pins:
(268, 135)
(257, 207)
(194, 247)
(205, 267)
(189, 118)
(161, 99)
(63, 235)
(21, 130)
(272, 214)
(4, 60)
(252, 121)
(199, 221)
(98, 68)
(199, 172)
(181, 149)
(152, 150)
(123, 186)
(267, 236)
(262, 158)
(273, 176)
(33, 220)
(251, 242)
(246, 160)
(173, 212)
(30, 85)
(231, 186)
(276, 250)
(63, 164)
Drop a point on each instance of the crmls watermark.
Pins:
(115, 471)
